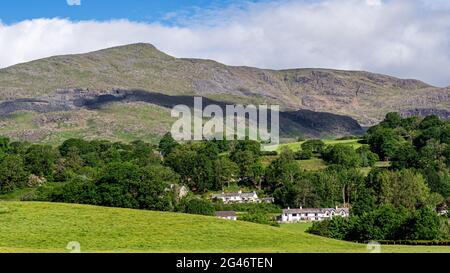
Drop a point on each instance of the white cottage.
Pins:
(312, 214)
(229, 215)
(239, 197)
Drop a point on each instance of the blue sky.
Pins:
(402, 38)
(135, 10)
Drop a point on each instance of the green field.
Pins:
(315, 163)
(295, 146)
(49, 227)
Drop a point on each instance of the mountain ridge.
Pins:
(363, 96)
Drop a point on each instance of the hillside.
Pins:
(56, 88)
(46, 227)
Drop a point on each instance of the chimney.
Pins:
(301, 207)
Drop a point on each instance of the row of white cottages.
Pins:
(241, 197)
(288, 215)
(312, 214)
(297, 215)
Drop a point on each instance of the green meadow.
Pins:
(295, 146)
(49, 227)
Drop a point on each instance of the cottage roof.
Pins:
(315, 210)
(234, 194)
(225, 213)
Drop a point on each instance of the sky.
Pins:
(402, 38)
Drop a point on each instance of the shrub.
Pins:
(196, 206)
(259, 218)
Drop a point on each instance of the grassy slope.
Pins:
(313, 164)
(45, 227)
(295, 146)
(116, 122)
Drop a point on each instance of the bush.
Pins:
(269, 153)
(303, 155)
(336, 228)
(259, 218)
(196, 206)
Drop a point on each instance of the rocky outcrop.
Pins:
(443, 114)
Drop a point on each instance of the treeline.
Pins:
(136, 175)
(400, 203)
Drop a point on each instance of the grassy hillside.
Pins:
(362, 95)
(116, 122)
(315, 163)
(45, 227)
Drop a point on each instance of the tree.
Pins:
(12, 173)
(143, 154)
(405, 156)
(129, 186)
(82, 146)
(246, 145)
(304, 190)
(343, 155)
(383, 141)
(438, 181)
(225, 172)
(423, 224)
(315, 146)
(195, 166)
(152, 188)
(283, 171)
(249, 164)
(4, 146)
(432, 155)
(364, 202)
(167, 144)
(404, 188)
(429, 122)
(40, 160)
(392, 120)
(367, 157)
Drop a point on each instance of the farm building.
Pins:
(241, 197)
(229, 215)
(312, 214)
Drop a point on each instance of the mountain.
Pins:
(43, 100)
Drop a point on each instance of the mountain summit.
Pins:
(364, 96)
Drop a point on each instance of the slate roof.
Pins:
(234, 194)
(314, 210)
(225, 214)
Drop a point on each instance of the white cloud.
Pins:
(403, 38)
(74, 2)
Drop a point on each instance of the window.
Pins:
(294, 215)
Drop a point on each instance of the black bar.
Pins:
(221, 262)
